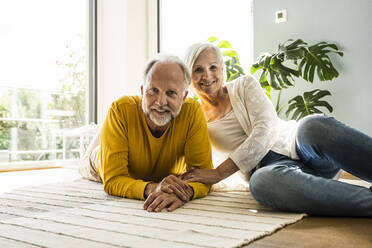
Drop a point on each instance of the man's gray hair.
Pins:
(163, 58)
(195, 50)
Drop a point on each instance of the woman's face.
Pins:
(207, 73)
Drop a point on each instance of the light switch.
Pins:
(281, 16)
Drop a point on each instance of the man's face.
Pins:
(163, 94)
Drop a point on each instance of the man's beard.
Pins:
(157, 119)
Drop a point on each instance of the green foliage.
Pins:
(74, 87)
(232, 63)
(297, 59)
(293, 59)
(308, 103)
(33, 104)
(305, 61)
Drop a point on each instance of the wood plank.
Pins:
(322, 232)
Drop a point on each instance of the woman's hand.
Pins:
(205, 176)
(226, 169)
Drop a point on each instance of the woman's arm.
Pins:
(224, 170)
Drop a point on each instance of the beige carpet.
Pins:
(80, 214)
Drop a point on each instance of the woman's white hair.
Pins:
(193, 52)
(165, 58)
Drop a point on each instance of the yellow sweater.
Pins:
(131, 157)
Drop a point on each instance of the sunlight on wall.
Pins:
(186, 22)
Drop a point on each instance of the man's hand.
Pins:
(172, 184)
(156, 201)
(205, 176)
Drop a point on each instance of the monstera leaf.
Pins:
(308, 104)
(304, 60)
(316, 59)
(274, 71)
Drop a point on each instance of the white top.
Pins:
(263, 129)
(226, 134)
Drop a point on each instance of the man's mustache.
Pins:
(161, 109)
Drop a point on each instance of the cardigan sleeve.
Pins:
(260, 119)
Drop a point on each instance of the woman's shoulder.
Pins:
(242, 81)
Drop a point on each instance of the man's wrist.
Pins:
(150, 187)
(191, 190)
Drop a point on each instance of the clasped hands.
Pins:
(171, 193)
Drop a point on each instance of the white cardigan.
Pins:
(258, 118)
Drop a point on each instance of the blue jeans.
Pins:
(324, 146)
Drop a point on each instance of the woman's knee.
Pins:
(264, 181)
(314, 128)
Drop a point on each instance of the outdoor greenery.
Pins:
(39, 104)
(293, 59)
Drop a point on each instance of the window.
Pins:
(185, 22)
(46, 68)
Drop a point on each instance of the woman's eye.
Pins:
(213, 67)
(198, 69)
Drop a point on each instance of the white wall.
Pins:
(125, 29)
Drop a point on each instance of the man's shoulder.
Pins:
(190, 106)
(191, 110)
(127, 102)
(191, 103)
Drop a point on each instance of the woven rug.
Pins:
(81, 214)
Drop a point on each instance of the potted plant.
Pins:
(293, 59)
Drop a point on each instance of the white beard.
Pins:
(156, 119)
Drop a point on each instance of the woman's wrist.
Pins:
(226, 169)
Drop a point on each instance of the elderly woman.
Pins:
(292, 166)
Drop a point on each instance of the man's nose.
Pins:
(161, 100)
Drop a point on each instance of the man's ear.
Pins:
(184, 97)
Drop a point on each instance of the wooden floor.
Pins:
(321, 232)
(327, 232)
(309, 232)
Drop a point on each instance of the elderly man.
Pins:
(146, 142)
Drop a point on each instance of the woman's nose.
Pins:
(206, 75)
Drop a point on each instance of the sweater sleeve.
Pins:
(198, 151)
(261, 119)
(114, 158)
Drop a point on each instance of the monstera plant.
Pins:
(293, 59)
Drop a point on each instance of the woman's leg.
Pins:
(285, 185)
(326, 145)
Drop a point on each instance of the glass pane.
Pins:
(44, 78)
(185, 22)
